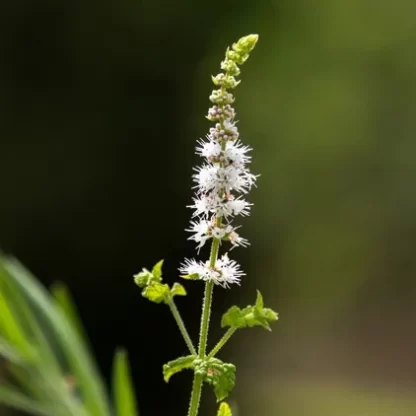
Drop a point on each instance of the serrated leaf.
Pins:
(234, 317)
(250, 316)
(157, 270)
(225, 383)
(123, 390)
(193, 276)
(220, 375)
(224, 410)
(177, 290)
(175, 366)
(157, 292)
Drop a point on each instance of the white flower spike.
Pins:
(224, 178)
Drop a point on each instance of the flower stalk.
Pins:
(181, 326)
(222, 182)
(222, 342)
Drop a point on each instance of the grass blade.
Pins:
(70, 341)
(123, 391)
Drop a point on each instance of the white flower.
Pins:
(190, 267)
(236, 179)
(237, 241)
(235, 153)
(209, 149)
(226, 271)
(205, 204)
(206, 178)
(230, 271)
(212, 203)
(220, 232)
(213, 178)
(201, 232)
(237, 207)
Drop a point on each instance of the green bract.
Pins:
(224, 410)
(194, 276)
(177, 290)
(250, 316)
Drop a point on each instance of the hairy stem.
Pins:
(181, 326)
(222, 342)
(203, 335)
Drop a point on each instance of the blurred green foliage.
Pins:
(50, 371)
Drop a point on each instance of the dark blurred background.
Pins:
(100, 106)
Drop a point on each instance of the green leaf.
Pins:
(175, 366)
(123, 390)
(70, 341)
(141, 279)
(157, 271)
(220, 375)
(250, 316)
(9, 353)
(259, 300)
(224, 410)
(157, 292)
(146, 278)
(10, 328)
(193, 276)
(63, 298)
(177, 290)
(41, 376)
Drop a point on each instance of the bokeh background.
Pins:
(100, 107)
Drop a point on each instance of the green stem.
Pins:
(181, 326)
(222, 342)
(196, 395)
(206, 313)
(203, 335)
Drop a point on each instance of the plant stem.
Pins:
(222, 342)
(203, 335)
(196, 395)
(181, 326)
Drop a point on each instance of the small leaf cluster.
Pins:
(250, 316)
(220, 375)
(153, 288)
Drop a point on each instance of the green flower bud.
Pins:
(226, 81)
(221, 97)
(246, 44)
(236, 57)
(230, 67)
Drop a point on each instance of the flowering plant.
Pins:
(221, 185)
(50, 370)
